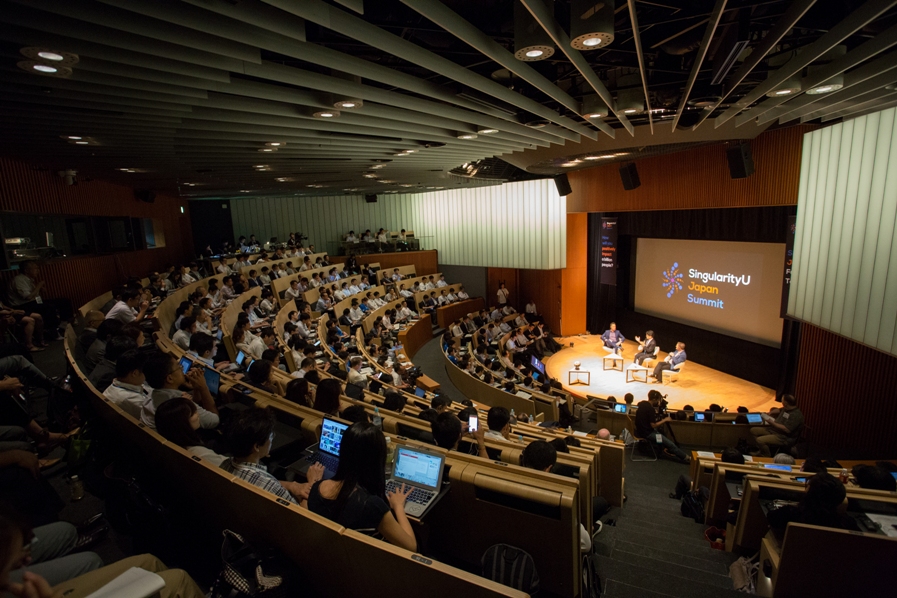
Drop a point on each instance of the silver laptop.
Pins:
(420, 469)
(325, 451)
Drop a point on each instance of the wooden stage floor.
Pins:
(698, 385)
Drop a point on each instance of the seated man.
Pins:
(102, 375)
(447, 431)
(355, 376)
(672, 361)
(164, 374)
(128, 390)
(647, 425)
(646, 349)
(250, 439)
(613, 338)
(783, 426)
(130, 308)
(498, 419)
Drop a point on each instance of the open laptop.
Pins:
(326, 451)
(420, 469)
(754, 418)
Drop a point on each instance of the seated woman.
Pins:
(327, 397)
(177, 420)
(300, 392)
(259, 374)
(356, 496)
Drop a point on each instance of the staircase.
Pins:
(654, 551)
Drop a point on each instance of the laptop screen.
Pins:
(754, 418)
(331, 436)
(240, 357)
(620, 408)
(186, 364)
(420, 468)
(537, 364)
(420, 391)
(213, 380)
(699, 417)
(777, 466)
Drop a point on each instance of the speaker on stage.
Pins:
(629, 176)
(563, 184)
(741, 162)
(371, 198)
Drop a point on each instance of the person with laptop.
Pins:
(250, 438)
(782, 426)
(356, 497)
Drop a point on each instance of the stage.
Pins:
(698, 386)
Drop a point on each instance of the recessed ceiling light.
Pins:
(369, 175)
(72, 137)
(487, 131)
(595, 157)
(784, 91)
(534, 53)
(405, 185)
(81, 143)
(373, 166)
(827, 88)
(56, 57)
(349, 104)
(245, 191)
(47, 55)
(592, 41)
(275, 143)
(537, 123)
(467, 136)
(268, 149)
(595, 115)
(45, 68)
(326, 114)
(630, 111)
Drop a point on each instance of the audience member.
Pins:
(820, 505)
(647, 426)
(177, 420)
(783, 426)
(165, 375)
(127, 390)
(447, 430)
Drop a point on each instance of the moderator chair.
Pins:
(671, 375)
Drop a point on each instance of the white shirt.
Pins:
(290, 292)
(531, 308)
(382, 238)
(122, 312)
(20, 289)
(441, 283)
(503, 296)
(129, 397)
(463, 295)
(187, 279)
(207, 454)
(182, 339)
(257, 347)
(225, 270)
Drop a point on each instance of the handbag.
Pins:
(247, 571)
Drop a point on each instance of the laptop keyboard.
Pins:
(328, 461)
(418, 495)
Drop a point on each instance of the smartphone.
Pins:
(473, 423)
(186, 364)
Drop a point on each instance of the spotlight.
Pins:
(531, 42)
(591, 24)
(326, 114)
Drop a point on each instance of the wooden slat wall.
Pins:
(697, 178)
(847, 394)
(24, 189)
(543, 286)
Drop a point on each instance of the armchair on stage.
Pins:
(671, 375)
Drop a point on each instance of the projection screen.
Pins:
(844, 273)
(727, 287)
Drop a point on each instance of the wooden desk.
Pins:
(427, 383)
(448, 314)
(415, 336)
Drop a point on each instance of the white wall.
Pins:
(845, 254)
(515, 225)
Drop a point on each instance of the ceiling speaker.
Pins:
(563, 184)
(741, 162)
(371, 198)
(629, 176)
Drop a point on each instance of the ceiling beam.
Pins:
(855, 21)
(857, 111)
(883, 41)
(342, 22)
(712, 24)
(870, 102)
(786, 22)
(546, 19)
(636, 38)
(463, 30)
(871, 89)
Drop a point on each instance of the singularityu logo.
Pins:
(671, 280)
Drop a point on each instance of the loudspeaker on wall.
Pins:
(371, 198)
(629, 176)
(563, 184)
(741, 162)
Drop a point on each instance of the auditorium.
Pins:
(505, 298)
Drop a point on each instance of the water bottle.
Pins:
(378, 421)
(513, 417)
(390, 453)
(77, 488)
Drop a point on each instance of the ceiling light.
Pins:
(591, 24)
(784, 92)
(487, 131)
(789, 86)
(467, 136)
(81, 143)
(189, 184)
(374, 166)
(42, 68)
(45, 68)
(537, 123)
(56, 57)
(593, 106)
(326, 114)
(531, 41)
(47, 55)
(369, 175)
(405, 185)
(595, 157)
(268, 149)
(282, 179)
(348, 104)
(245, 191)
(591, 41)
(275, 144)
(631, 100)
(570, 163)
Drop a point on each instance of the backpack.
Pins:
(693, 504)
(511, 567)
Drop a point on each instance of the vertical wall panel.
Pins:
(843, 274)
(501, 226)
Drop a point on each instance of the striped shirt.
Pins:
(257, 475)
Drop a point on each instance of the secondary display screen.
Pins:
(727, 287)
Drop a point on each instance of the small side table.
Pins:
(633, 371)
(579, 377)
(616, 362)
